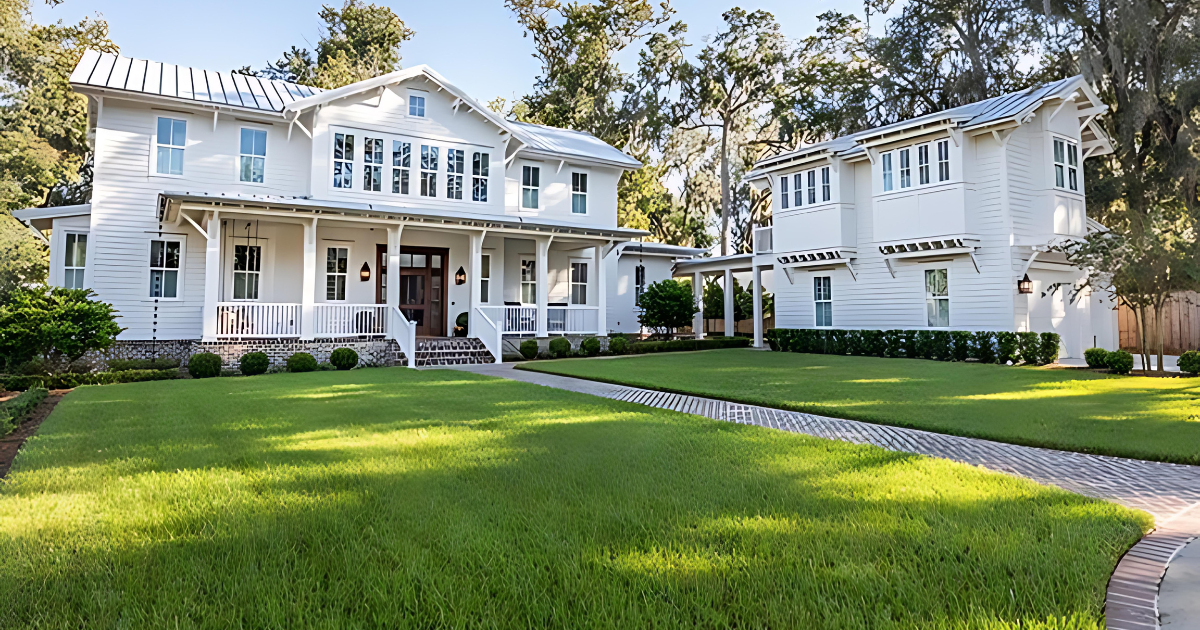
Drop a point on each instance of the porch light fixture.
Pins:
(460, 276)
(1025, 285)
(365, 272)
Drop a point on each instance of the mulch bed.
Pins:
(11, 443)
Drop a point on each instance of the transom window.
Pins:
(247, 267)
(372, 164)
(530, 183)
(823, 300)
(76, 260)
(529, 281)
(164, 269)
(1066, 164)
(579, 283)
(485, 277)
(455, 164)
(253, 155)
(336, 266)
(937, 298)
(169, 144)
(480, 164)
(429, 165)
(343, 160)
(416, 105)
(579, 189)
(401, 162)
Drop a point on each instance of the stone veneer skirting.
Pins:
(371, 352)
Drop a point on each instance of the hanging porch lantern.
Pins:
(460, 276)
(365, 272)
(1025, 285)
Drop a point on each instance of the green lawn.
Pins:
(389, 498)
(1076, 410)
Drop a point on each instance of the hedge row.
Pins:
(70, 381)
(938, 345)
(12, 411)
(679, 345)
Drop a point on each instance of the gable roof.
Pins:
(568, 142)
(140, 76)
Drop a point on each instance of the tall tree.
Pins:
(358, 41)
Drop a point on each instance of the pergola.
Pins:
(726, 266)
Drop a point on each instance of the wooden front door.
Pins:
(423, 288)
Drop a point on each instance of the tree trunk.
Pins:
(725, 187)
(1158, 322)
(1140, 314)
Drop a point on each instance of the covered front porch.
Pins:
(284, 269)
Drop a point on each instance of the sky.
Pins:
(476, 44)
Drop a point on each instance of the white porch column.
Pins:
(758, 307)
(698, 292)
(601, 292)
(308, 282)
(212, 277)
(393, 265)
(542, 273)
(474, 267)
(730, 325)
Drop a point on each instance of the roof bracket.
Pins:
(215, 112)
(791, 275)
(1069, 99)
(891, 270)
(974, 261)
(560, 165)
(850, 268)
(956, 136)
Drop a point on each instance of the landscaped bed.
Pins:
(1077, 410)
(388, 497)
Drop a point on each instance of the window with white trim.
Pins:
(639, 282)
(372, 164)
(337, 265)
(247, 270)
(823, 301)
(579, 282)
(455, 167)
(937, 298)
(76, 260)
(401, 162)
(343, 160)
(480, 164)
(943, 160)
(1066, 164)
(798, 188)
(905, 168)
(886, 165)
(826, 193)
(252, 153)
(164, 268)
(923, 164)
(485, 277)
(812, 187)
(169, 144)
(530, 184)
(429, 165)
(529, 281)
(783, 192)
(416, 105)
(579, 189)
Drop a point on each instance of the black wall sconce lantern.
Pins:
(365, 272)
(1025, 285)
(460, 276)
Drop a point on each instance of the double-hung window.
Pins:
(826, 193)
(455, 165)
(247, 268)
(1066, 164)
(253, 156)
(639, 282)
(485, 277)
(169, 144)
(923, 164)
(886, 165)
(905, 169)
(343, 160)
(579, 189)
(164, 269)
(372, 164)
(480, 164)
(416, 105)
(76, 260)
(783, 192)
(530, 183)
(943, 160)
(823, 300)
(798, 188)
(336, 267)
(937, 298)
(429, 164)
(579, 282)
(401, 162)
(529, 281)
(812, 187)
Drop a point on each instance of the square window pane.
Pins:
(164, 131)
(178, 132)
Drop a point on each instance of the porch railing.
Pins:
(349, 320)
(490, 333)
(405, 334)
(520, 319)
(573, 320)
(257, 319)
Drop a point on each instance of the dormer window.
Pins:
(1066, 164)
(416, 104)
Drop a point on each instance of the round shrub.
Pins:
(1119, 362)
(343, 358)
(618, 345)
(529, 349)
(204, 365)
(560, 347)
(1096, 358)
(301, 362)
(253, 363)
(590, 346)
(1190, 362)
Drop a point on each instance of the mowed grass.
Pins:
(394, 498)
(1075, 410)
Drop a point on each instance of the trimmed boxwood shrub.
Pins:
(1190, 362)
(71, 381)
(253, 363)
(1028, 347)
(1047, 348)
(590, 346)
(301, 362)
(618, 345)
(204, 365)
(1097, 358)
(343, 358)
(12, 411)
(124, 365)
(983, 346)
(941, 345)
(1006, 347)
(529, 349)
(560, 347)
(680, 345)
(1119, 362)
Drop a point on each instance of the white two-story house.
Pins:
(946, 221)
(231, 211)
